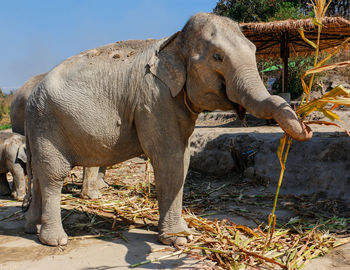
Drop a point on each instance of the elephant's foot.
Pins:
(100, 183)
(170, 239)
(19, 196)
(90, 194)
(168, 235)
(53, 236)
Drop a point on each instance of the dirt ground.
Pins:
(234, 171)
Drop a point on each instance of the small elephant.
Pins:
(92, 177)
(13, 159)
(109, 104)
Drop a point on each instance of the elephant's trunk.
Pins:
(253, 96)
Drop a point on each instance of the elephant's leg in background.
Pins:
(100, 178)
(19, 182)
(4, 185)
(90, 189)
(33, 215)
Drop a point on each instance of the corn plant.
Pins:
(325, 104)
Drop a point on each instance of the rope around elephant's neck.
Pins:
(188, 106)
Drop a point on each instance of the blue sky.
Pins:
(36, 35)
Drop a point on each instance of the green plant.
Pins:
(295, 70)
(6, 126)
(290, 10)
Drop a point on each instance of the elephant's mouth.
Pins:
(240, 110)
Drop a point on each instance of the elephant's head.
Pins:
(215, 64)
(21, 156)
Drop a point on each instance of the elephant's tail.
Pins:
(28, 198)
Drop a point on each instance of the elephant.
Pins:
(13, 159)
(19, 102)
(109, 104)
(92, 177)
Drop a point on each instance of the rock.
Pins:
(211, 154)
(249, 173)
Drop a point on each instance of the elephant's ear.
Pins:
(22, 153)
(168, 65)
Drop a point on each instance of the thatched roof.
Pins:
(267, 37)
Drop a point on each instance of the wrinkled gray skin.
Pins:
(19, 102)
(13, 159)
(92, 177)
(115, 102)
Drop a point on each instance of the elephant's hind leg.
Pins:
(50, 175)
(93, 182)
(90, 189)
(33, 215)
(100, 178)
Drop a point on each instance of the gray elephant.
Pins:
(92, 177)
(13, 159)
(115, 102)
(19, 102)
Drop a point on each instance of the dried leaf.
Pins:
(327, 67)
(329, 114)
(337, 91)
(327, 124)
(301, 31)
(280, 149)
(334, 52)
(341, 242)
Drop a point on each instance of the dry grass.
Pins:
(129, 204)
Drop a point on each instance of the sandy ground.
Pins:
(22, 251)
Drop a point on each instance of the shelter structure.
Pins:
(282, 38)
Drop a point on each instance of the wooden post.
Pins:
(284, 53)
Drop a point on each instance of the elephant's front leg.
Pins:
(170, 162)
(19, 182)
(170, 172)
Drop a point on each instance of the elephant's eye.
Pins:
(218, 57)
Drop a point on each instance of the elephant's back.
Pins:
(6, 137)
(19, 102)
(120, 51)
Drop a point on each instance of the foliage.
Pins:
(294, 73)
(5, 104)
(270, 10)
(290, 10)
(6, 126)
(262, 10)
(339, 8)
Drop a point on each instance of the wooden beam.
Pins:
(284, 53)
